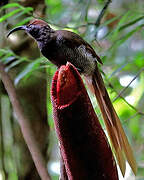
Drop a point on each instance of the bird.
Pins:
(62, 46)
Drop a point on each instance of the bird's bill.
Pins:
(16, 29)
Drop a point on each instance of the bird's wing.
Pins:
(76, 41)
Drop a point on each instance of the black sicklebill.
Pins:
(60, 46)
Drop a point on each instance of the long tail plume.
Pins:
(119, 141)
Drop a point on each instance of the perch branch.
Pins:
(24, 125)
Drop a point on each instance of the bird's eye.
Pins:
(34, 31)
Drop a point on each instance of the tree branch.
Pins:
(97, 23)
(124, 89)
(24, 125)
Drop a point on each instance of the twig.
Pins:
(97, 23)
(134, 108)
(25, 125)
(121, 92)
(120, 96)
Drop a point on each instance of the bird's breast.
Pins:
(78, 56)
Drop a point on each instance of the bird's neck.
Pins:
(42, 44)
(45, 37)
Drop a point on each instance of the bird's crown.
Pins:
(37, 22)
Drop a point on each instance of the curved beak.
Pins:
(17, 29)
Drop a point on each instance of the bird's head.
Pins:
(37, 28)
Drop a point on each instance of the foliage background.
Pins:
(118, 39)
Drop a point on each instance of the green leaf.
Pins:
(139, 59)
(10, 5)
(1, 53)
(131, 23)
(28, 9)
(28, 70)
(3, 18)
(26, 20)
(15, 63)
(25, 11)
(52, 3)
(4, 51)
(6, 60)
(127, 36)
(118, 70)
(110, 21)
(122, 20)
(7, 57)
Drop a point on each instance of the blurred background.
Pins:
(118, 39)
